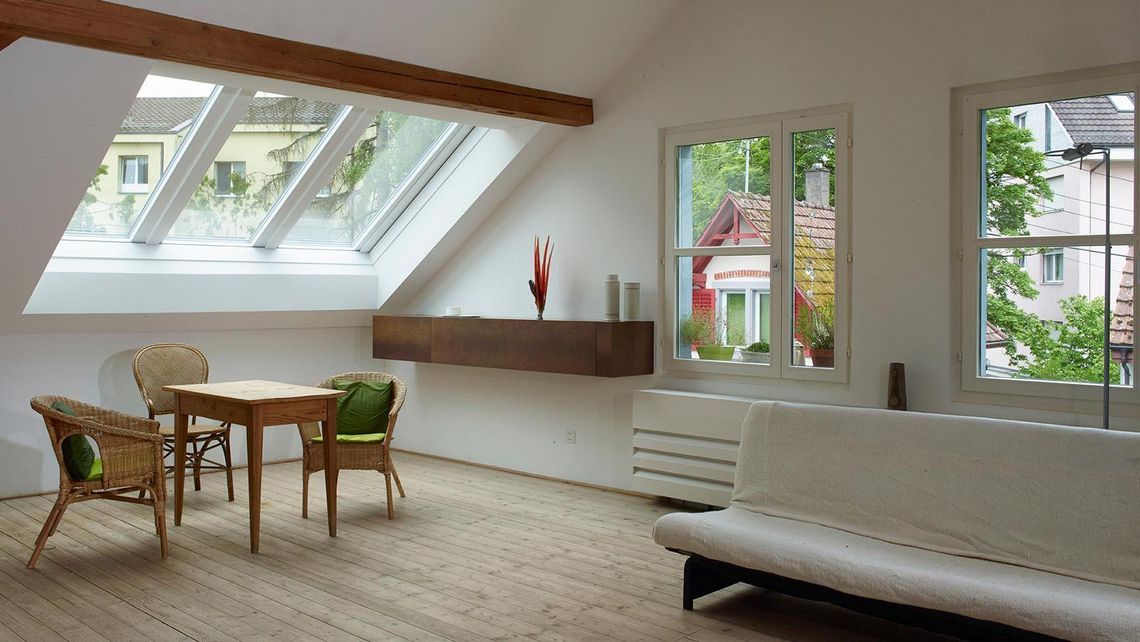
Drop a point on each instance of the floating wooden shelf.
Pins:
(594, 348)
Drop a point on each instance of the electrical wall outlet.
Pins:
(571, 436)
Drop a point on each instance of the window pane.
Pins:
(723, 192)
(148, 137)
(813, 249)
(251, 169)
(723, 307)
(380, 162)
(1029, 189)
(1045, 321)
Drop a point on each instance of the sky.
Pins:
(161, 86)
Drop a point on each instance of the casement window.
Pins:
(1036, 327)
(1053, 266)
(133, 174)
(228, 178)
(1021, 120)
(757, 220)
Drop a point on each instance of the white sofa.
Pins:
(1031, 526)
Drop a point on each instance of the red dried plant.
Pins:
(538, 286)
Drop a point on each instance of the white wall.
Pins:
(597, 195)
(97, 368)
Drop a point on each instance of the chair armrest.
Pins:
(107, 418)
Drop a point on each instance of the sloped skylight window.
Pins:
(380, 168)
(197, 163)
(156, 125)
(263, 153)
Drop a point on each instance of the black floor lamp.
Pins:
(1078, 152)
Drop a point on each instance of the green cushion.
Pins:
(78, 455)
(366, 438)
(96, 470)
(364, 409)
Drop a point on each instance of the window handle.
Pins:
(775, 266)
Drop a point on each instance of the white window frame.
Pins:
(967, 107)
(779, 127)
(1059, 266)
(133, 187)
(197, 156)
(229, 194)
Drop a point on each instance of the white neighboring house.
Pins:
(1078, 207)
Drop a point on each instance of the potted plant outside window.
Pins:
(697, 329)
(816, 327)
(715, 350)
(759, 352)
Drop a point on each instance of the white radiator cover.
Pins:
(685, 443)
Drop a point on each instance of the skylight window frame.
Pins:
(208, 132)
(313, 175)
(402, 196)
(194, 158)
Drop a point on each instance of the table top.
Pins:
(255, 391)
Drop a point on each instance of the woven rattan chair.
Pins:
(168, 364)
(130, 450)
(354, 456)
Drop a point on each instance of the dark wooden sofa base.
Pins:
(704, 576)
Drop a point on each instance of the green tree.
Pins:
(1014, 186)
(1069, 350)
(745, 166)
(84, 218)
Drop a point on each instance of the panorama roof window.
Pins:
(147, 140)
(367, 181)
(263, 153)
(199, 163)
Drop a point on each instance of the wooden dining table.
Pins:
(256, 404)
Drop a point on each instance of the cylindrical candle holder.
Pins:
(631, 306)
(613, 295)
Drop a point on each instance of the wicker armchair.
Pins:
(165, 364)
(354, 456)
(130, 450)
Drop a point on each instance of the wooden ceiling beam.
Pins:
(139, 32)
(7, 38)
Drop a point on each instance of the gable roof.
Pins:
(1120, 332)
(1094, 120)
(151, 115)
(814, 235)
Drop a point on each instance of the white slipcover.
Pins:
(1033, 525)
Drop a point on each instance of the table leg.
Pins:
(332, 469)
(253, 439)
(181, 426)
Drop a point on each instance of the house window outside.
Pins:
(1055, 202)
(133, 174)
(1050, 339)
(756, 215)
(1021, 121)
(1053, 266)
(228, 178)
(154, 128)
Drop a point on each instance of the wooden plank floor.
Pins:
(473, 555)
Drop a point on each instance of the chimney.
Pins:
(817, 186)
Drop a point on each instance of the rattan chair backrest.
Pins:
(167, 364)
